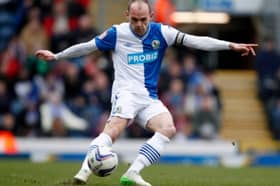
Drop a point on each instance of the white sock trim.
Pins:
(163, 137)
(103, 140)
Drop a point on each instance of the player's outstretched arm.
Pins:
(244, 49)
(45, 55)
(71, 52)
(213, 44)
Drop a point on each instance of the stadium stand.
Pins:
(243, 116)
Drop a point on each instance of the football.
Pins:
(102, 160)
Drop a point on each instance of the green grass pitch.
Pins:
(24, 173)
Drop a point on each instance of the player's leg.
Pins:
(111, 132)
(123, 109)
(149, 153)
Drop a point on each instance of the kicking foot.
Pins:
(81, 177)
(133, 179)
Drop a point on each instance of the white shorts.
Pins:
(134, 106)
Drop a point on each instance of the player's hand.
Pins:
(45, 55)
(244, 49)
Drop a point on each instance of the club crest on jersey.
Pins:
(155, 44)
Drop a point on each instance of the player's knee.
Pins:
(169, 131)
(115, 127)
(113, 131)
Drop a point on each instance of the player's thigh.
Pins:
(115, 126)
(124, 109)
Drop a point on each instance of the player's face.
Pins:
(139, 17)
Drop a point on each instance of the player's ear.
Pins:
(152, 15)
(126, 13)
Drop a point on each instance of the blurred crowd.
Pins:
(72, 97)
(267, 66)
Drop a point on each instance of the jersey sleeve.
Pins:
(169, 33)
(107, 40)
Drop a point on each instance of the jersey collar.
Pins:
(141, 37)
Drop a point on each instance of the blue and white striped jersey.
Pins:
(137, 60)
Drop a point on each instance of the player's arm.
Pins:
(212, 44)
(105, 41)
(71, 52)
(174, 36)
